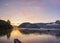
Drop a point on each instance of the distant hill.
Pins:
(55, 25)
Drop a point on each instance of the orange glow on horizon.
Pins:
(16, 32)
(15, 24)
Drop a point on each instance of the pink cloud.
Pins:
(14, 11)
(33, 2)
(39, 8)
(6, 4)
(28, 2)
(54, 2)
(30, 15)
(10, 3)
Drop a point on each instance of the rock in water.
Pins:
(17, 41)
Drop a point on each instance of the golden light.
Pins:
(15, 24)
(16, 32)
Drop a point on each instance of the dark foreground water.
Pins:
(30, 36)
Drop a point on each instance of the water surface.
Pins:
(30, 36)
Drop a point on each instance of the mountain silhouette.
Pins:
(55, 25)
(5, 25)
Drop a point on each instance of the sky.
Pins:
(34, 11)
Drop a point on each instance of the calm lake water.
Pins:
(30, 36)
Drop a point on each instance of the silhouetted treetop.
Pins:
(8, 21)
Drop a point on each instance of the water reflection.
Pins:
(5, 32)
(30, 36)
(48, 32)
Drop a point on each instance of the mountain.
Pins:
(5, 25)
(55, 25)
(28, 25)
(57, 22)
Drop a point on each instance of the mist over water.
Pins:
(30, 37)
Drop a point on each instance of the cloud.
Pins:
(14, 11)
(27, 14)
(6, 4)
(10, 3)
(54, 2)
(39, 8)
(32, 8)
(25, 2)
(32, 2)
(31, 15)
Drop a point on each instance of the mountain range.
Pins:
(55, 25)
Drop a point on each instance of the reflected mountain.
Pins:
(49, 32)
(5, 32)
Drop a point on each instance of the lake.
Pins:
(30, 36)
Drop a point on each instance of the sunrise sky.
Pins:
(19, 11)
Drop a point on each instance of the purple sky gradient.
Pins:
(19, 11)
